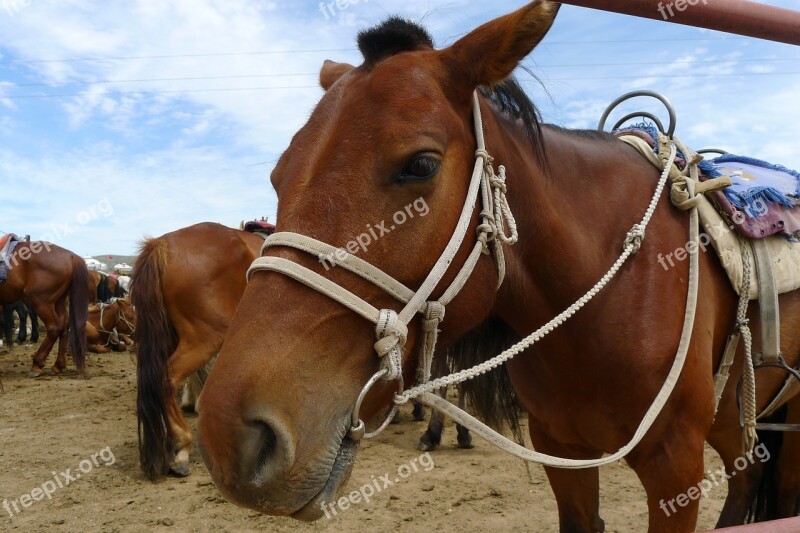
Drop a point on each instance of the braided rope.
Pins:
(632, 244)
(749, 374)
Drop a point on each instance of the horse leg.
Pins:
(53, 330)
(191, 393)
(464, 438)
(185, 361)
(671, 471)
(98, 348)
(418, 412)
(742, 486)
(63, 321)
(22, 312)
(433, 435)
(8, 325)
(34, 324)
(577, 492)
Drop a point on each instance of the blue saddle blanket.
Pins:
(764, 199)
(6, 250)
(754, 179)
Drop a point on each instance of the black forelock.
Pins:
(392, 36)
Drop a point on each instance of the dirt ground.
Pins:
(52, 424)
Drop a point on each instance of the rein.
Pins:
(495, 217)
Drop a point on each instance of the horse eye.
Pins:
(420, 168)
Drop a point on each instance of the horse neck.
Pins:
(572, 222)
(110, 316)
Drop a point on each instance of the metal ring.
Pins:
(712, 151)
(357, 429)
(663, 99)
(780, 364)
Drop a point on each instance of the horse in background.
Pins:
(23, 311)
(180, 328)
(51, 279)
(101, 286)
(108, 325)
(114, 288)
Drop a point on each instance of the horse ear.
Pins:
(490, 53)
(331, 72)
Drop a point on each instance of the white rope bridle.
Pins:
(391, 329)
(119, 318)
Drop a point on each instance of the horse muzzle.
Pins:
(256, 462)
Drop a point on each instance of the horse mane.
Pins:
(491, 396)
(511, 99)
(396, 35)
(391, 37)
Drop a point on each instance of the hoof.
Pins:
(35, 373)
(55, 371)
(179, 470)
(466, 445)
(418, 412)
(426, 444)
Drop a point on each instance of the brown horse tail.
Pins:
(764, 503)
(156, 339)
(78, 312)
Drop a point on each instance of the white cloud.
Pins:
(177, 151)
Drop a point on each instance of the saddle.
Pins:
(750, 211)
(261, 228)
(761, 204)
(8, 244)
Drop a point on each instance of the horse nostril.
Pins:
(266, 450)
(268, 445)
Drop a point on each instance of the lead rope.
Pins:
(632, 244)
(423, 393)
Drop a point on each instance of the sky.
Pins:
(126, 119)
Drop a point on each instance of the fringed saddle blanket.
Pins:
(764, 205)
(8, 244)
(764, 199)
(767, 195)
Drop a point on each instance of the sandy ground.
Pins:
(52, 424)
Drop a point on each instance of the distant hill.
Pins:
(111, 260)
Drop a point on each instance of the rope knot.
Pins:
(634, 237)
(499, 182)
(488, 160)
(432, 317)
(392, 334)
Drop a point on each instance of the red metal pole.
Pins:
(741, 17)
(788, 525)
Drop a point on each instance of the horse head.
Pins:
(381, 171)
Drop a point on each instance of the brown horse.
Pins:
(46, 276)
(107, 324)
(94, 282)
(276, 411)
(186, 286)
(114, 288)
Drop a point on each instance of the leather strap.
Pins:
(768, 303)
